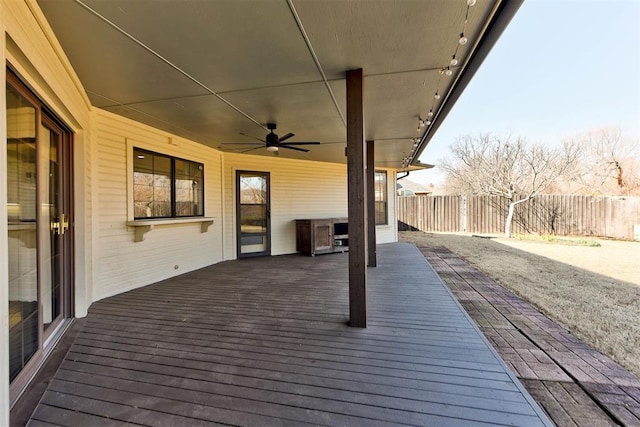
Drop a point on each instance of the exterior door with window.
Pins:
(253, 214)
(40, 224)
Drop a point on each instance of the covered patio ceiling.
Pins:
(212, 71)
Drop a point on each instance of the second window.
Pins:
(166, 187)
(381, 197)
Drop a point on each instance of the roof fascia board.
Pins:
(501, 19)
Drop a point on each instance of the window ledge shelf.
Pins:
(143, 226)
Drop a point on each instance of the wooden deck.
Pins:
(264, 341)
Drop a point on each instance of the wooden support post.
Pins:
(357, 198)
(371, 206)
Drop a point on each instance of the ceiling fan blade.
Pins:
(287, 136)
(242, 143)
(231, 148)
(300, 143)
(249, 136)
(250, 149)
(288, 146)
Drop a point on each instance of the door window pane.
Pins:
(21, 198)
(48, 190)
(253, 212)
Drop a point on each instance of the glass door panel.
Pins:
(253, 214)
(23, 254)
(51, 227)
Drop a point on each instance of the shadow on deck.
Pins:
(264, 341)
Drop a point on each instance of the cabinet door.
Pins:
(303, 237)
(322, 237)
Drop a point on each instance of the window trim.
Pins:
(131, 219)
(386, 197)
(142, 226)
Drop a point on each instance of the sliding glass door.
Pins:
(40, 230)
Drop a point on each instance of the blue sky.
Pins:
(560, 69)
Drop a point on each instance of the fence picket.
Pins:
(605, 216)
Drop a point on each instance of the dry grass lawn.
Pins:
(592, 291)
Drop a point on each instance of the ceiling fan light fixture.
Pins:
(272, 148)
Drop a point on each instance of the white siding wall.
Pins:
(299, 189)
(167, 250)
(389, 233)
(84, 221)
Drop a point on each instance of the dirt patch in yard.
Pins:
(592, 291)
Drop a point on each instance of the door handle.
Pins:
(64, 223)
(61, 226)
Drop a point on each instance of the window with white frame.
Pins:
(380, 188)
(166, 186)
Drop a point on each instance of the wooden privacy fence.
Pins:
(565, 215)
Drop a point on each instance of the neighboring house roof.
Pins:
(219, 71)
(407, 187)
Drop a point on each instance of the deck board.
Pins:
(265, 342)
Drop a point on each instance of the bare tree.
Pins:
(510, 168)
(252, 190)
(609, 164)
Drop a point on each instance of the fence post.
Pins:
(463, 214)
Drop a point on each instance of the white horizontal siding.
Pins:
(167, 250)
(299, 189)
(83, 184)
(389, 233)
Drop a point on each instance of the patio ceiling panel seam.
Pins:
(303, 32)
(130, 107)
(168, 62)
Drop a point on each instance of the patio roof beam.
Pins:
(356, 178)
(371, 205)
